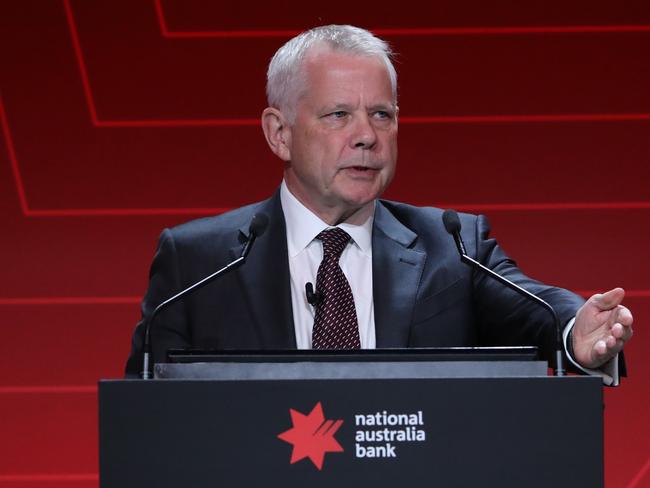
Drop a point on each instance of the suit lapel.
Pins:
(397, 272)
(265, 280)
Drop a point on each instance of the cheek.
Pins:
(330, 151)
(303, 151)
(391, 141)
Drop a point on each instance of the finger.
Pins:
(609, 299)
(620, 316)
(624, 316)
(610, 341)
(600, 348)
(620, 331)
(606, 349)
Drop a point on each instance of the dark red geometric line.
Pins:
(52, 300)
(526, 118)
(509, 207)
(38, 390)
(441, 119)
(13, 160)
(50, 477)
(511, 30)
(123, 212)
(478, 207)
(407, 32)
(135, 300)
(634, 483)
(180, 123)
(628, 293)
(80, 61)
(410, 31)
(165, 32)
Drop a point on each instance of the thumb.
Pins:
(609, 299)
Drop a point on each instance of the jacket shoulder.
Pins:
(423, 220)
(217, 227)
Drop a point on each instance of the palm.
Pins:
(601, 329)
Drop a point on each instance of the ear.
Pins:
(277, 133)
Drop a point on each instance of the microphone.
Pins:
(314, 298)
(452, 226)
(257, 228)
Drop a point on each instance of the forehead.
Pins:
(330, 73)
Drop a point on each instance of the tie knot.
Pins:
(334, 241)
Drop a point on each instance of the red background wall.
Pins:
(122, 117)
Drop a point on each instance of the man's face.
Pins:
(343, 144)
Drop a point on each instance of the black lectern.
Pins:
(446, 430)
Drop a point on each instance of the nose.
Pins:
(364, 136)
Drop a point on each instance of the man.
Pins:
(395, 278)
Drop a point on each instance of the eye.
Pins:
(383, 115)
(339, 114)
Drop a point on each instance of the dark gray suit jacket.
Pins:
(423, 294)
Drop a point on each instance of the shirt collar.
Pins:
(303, 226)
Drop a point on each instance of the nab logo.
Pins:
(312, 436)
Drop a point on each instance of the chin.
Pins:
(362, 194)
(358, 201)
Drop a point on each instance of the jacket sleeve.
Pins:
(504, 316)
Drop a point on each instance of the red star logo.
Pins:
(312, 436)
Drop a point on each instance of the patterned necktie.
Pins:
(335, 325)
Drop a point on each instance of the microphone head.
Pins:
(258, 225)
(451, 221)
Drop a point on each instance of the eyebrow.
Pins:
(337, 106)
(382, 106)
(348, 107)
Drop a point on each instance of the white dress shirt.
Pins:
(306, 254)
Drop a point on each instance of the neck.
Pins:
(335, 215)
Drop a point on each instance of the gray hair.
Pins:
(285, 79)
